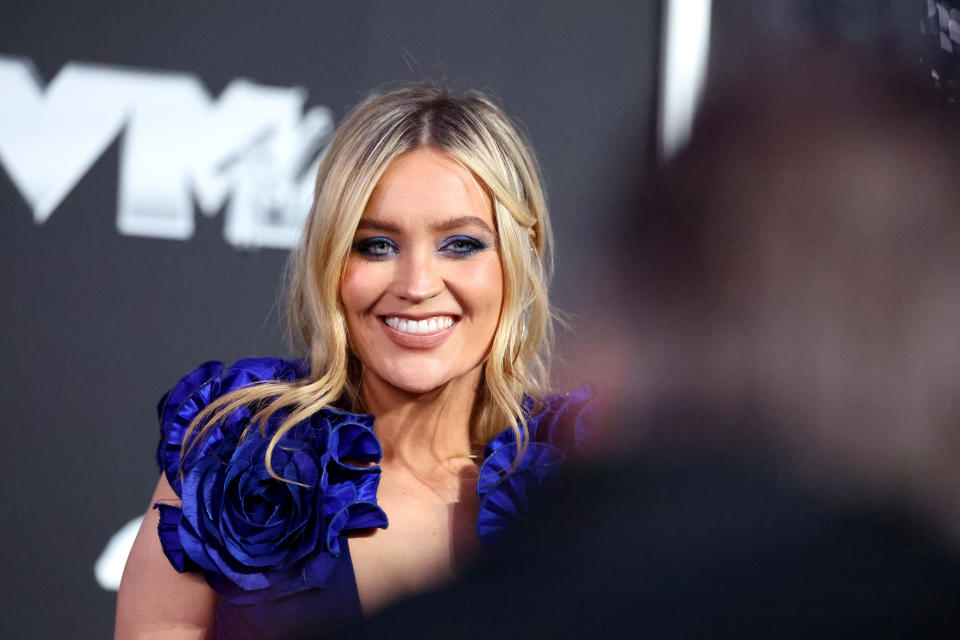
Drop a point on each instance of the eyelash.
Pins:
(468, 246)
(456, 247)
(375, 248)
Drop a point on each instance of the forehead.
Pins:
(427, 186)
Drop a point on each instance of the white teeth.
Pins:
(429, 325)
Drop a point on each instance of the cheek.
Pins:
(360, 287)
(481, 286)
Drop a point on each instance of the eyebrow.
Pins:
(445, 225)
(462, 221)
(377, 225)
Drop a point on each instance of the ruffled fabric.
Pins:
(257, 538)
(179, 406)
(508, 487)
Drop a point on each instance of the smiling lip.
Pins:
(418, 340)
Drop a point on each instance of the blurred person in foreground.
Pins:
(789, 430)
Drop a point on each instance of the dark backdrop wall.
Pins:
(97, 324)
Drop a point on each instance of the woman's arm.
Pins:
(154, 600)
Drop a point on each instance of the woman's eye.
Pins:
(462, 246)
(375, 247)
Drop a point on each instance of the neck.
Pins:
(423, 430)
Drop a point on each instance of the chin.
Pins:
(418, 384)
(420, 379)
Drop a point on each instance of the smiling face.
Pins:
(423, 285)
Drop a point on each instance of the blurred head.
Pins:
(377, 169)
(803, 256)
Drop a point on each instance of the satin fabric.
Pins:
(277, 553)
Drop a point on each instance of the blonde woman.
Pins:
(419, 293)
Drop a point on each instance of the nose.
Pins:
(418, 276)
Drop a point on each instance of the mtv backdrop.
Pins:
(252, 147)
(157, 164)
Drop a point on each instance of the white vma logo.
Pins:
(252, 152)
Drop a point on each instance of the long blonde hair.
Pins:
(473, 131)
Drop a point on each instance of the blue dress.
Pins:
(277, 552)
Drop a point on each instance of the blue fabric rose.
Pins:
(255, 537)
(249, 531)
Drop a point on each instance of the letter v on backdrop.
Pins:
(252, 152)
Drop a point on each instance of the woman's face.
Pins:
(423, 285)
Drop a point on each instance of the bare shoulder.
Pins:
(154, 599)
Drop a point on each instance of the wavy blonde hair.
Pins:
(473, 131)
